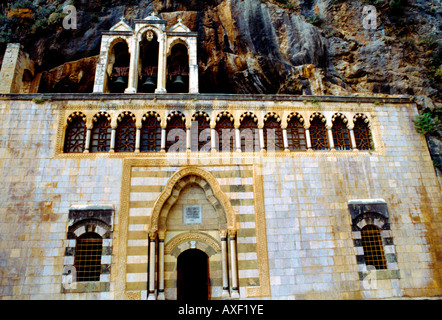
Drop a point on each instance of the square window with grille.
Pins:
(88, 253)
(373, 248)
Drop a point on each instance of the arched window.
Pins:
(178, 69)
(296, 134)
(88, 251)
(75, 135)
(273, 140)
(373, 248)
(318, 133)
(176, 133)
(341, 134)
(126, 133)
(101, 133)
(148, 61)
(150, 134)
(225, 133)
(362, 134)
(119, 58)
(202, 135)
(249, 134)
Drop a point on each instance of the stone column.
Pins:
(161, 266)
(225, 267)
(353, 140)
(213, 139)
(330, 138)
(100, 70)
(137, 140)
(233, 263)
(307, 139)
(163, 139)
(193, 66)
(238, 140)
(188, 139)
(87, 143)
(285, 139)
(152, 243)
(133, 66)
(261, 138)
(161, 81)
(112, 142)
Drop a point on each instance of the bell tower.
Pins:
(153, 59)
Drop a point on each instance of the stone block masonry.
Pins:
(294, 239)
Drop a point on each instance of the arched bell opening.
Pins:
(178, 69)
(119, 60)
(148, 63)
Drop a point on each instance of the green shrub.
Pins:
(426, 123)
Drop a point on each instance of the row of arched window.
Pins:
(151, 137)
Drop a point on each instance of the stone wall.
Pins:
(295, 237)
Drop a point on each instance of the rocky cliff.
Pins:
(256, 46)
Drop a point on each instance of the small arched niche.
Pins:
(193, 206)
(192, 211)
(178, 69)
(27, 79)
(148, 62)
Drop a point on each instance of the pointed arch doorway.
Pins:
(193, 275)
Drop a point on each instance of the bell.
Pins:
(149, 83)
(119, 85)
(178, 81)
(119, 81)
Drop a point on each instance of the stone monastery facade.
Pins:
(145, 190)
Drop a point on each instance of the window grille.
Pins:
(249, 133)
(373, 249)
(341, 135)
(75, 136)
(225, 126)
(318, 134)
(273, 131)
(176, 122)
(296, 135)
(150, 134)
(101, 135)
(203, 124)
(362, 135)
(88, 252)
(125, 135)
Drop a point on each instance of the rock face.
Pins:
(70, 77)
(278, 46)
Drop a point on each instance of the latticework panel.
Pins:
(203, 133)
(341, 135)
(176, 133)
(150, 138)
(88, 253)
(75, 136)
(273, 139)
(125, 135)
(373, 249)
(318, 134)
(249, 134)
(362, 135)
(296, 135)
(225, 134)
(101, 135)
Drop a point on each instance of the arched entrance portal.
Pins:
(193, 214)
(193, 275)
